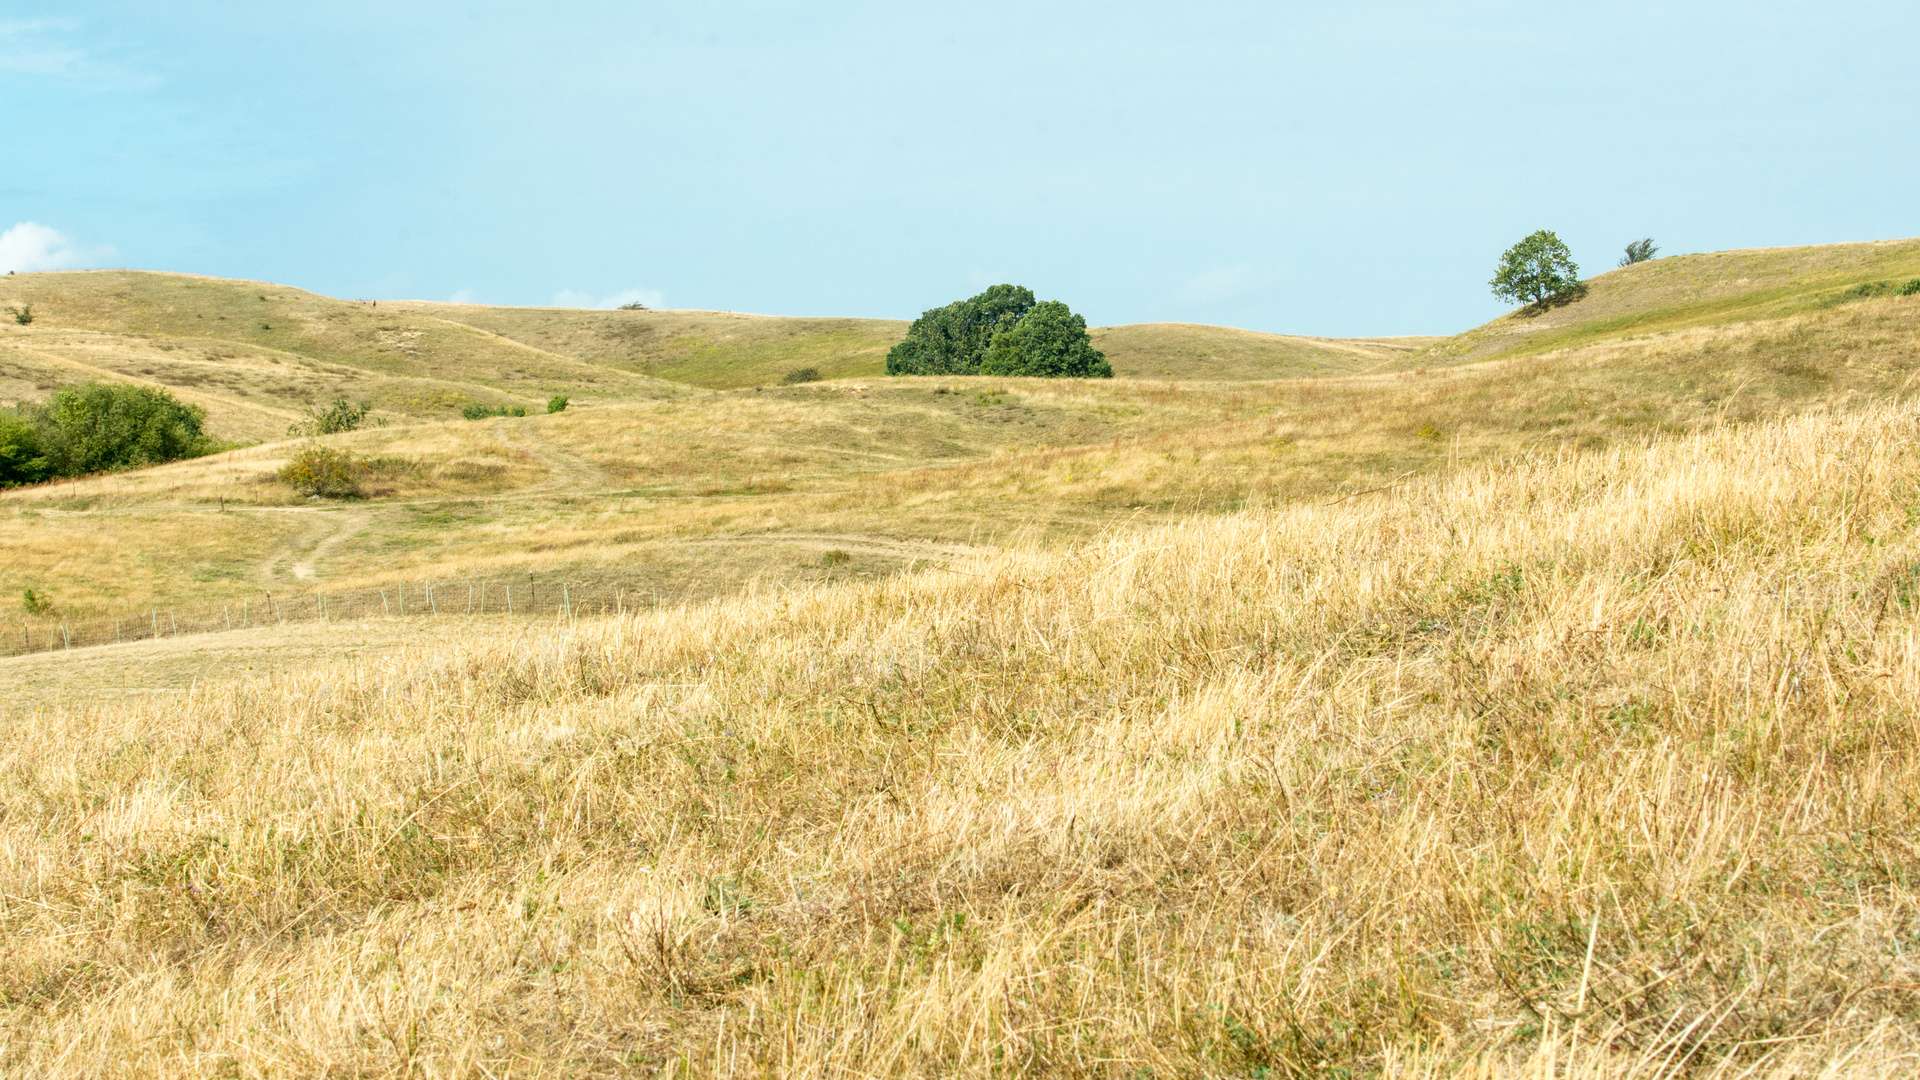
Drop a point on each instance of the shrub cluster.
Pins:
(481, 411)
(1003, 331)
(800, 375)
(99, 427)
(338, 417)
(557, 403)
(326, 472)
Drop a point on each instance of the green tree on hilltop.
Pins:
(1051, 342)
(1536, 270)
(1002, 331)
(952, 340)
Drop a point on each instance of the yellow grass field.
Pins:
(1537, 702)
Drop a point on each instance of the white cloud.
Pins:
(464, 296)
(30, 246)
(570, 298)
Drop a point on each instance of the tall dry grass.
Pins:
(1599, 766)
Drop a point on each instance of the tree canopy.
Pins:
(1536, 269)
(1051, 342)
(99, 427)
(989, 334)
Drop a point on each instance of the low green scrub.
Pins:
(340, 416)
(557, 403)
(326, 472)
(481, 411)
(800, 375)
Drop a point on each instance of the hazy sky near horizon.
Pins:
(1302, 167)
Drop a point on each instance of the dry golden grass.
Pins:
(1186, 351)
(1601, 765)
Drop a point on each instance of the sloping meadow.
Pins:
(1598, 766)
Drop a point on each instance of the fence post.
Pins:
(116, 631)
(566, 600)
(384, 609)
(66, 634)
(509, 599)
(228, 612)
(619, 606)
(433, 605)
(175, 619)
(243, 615)
(156, 623)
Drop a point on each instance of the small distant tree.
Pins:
(338, 417)
(22, 315)
(633, 305)
(1051, 342)
(35, 603)
(1535, 270)
(1638, 252)
(557, 403)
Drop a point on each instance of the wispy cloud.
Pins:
(41, 47)
(571, 298)
(31, 246)
(464, 296)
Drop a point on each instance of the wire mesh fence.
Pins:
(464, 596)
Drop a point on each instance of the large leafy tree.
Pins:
(1050, 341)
(952, 340)
(1537, 269)
(97, 427)
(20, 459)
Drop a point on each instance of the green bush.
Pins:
(326, 472)
(1050, 342)
(1911, 287)
(35, 603)
(1003, 331)
(481, 411)
(101, 427)
(557, 403)
(22, 315)
(21, 461)
(801, 375)
(340, 416)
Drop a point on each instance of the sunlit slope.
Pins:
(1596, 767)
(715, 349)
(268, 350)
(1190, 351)
(1687, 291)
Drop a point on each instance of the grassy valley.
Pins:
(1534, 702)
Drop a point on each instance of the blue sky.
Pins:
(1308, 167)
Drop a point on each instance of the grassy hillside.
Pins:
(1688, 291)
(1187, 351)
(712, 349)
(1584, 768)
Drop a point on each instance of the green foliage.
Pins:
(801, 375)
(557, 403)
(1535, 270)
(1051, 342)
(1638, 252)
(481, 411)
(22, 315)
(340, 416)
(1911, 287)
(1002, 331)
(633, 305)
(35, 603)
(326, 472)
(953, 340)
(21, 461)
(100, 427)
